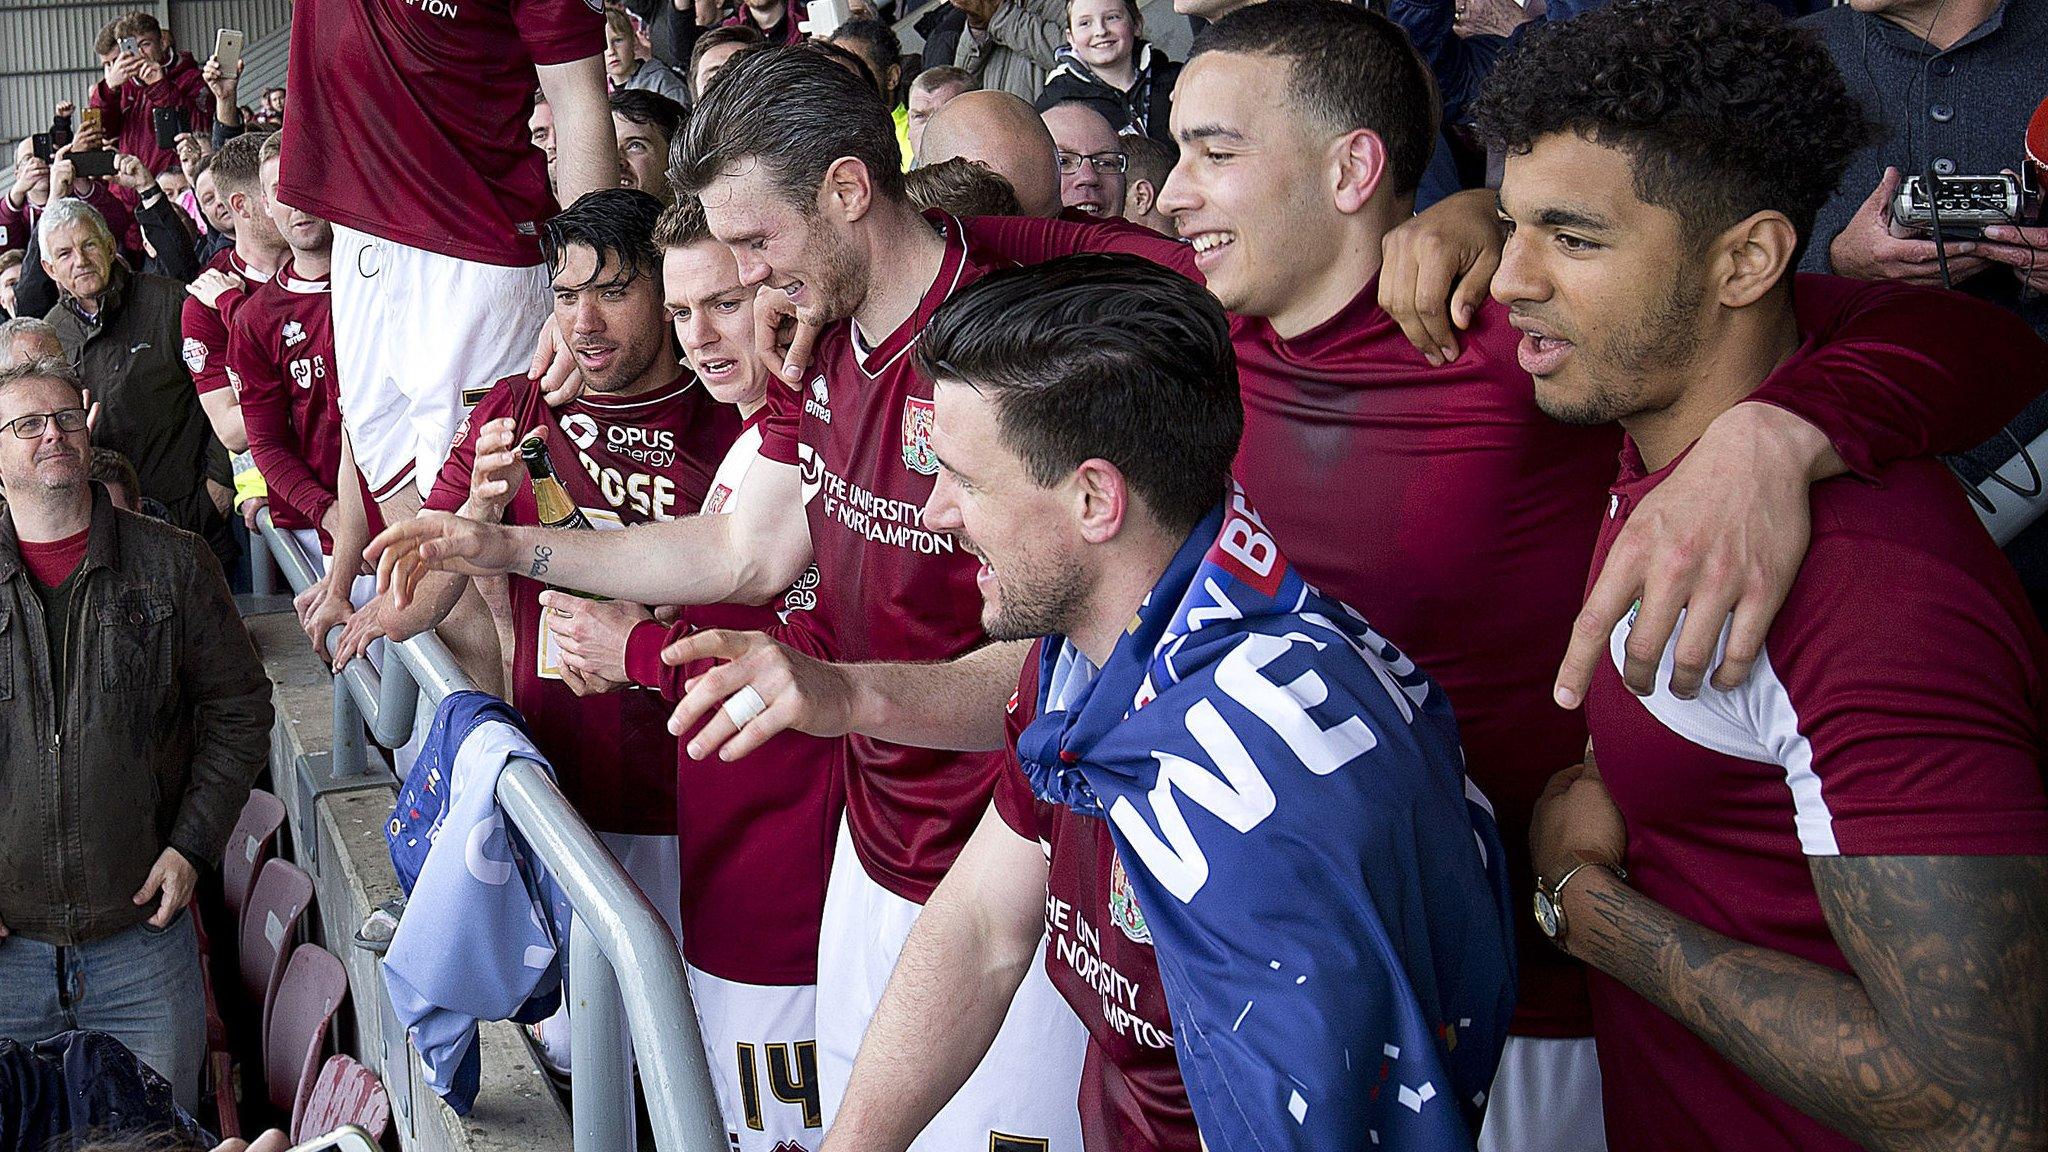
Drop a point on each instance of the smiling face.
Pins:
(1102, 32)
(612, 318)
(1252, 180)
(54, 462)
(1604, 288)
(808, 255)
(713, 316)
(1082, 137)
(212, 205)
(1032, 579)
(302, 231)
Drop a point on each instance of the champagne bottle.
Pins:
(556, 509)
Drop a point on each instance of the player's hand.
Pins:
(438, 542)
(1576, 820)
(798, 691)
(1437, 268)
(494, 477)
(1869, 248)
(250, 508)
(554, 366)
(2024, 250)
(1724, 534)
(782, 340)
(589, 684)
(365, 626)
(120, 70)
(322, 607)
(591, 634)
(171, 883)
(212, 284)
(271, 1141)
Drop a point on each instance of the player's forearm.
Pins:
(226, 417)
(430, 604)
(587, 154)
(957, 705)
(693, 560)
(1808, 1033)
(942, 1008)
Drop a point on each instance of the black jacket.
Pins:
(1146, 108)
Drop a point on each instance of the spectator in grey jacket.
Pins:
(625, 68)
(1009, 45)
(135, 713)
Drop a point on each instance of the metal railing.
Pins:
(612, 929)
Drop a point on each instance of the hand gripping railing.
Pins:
(613, 929)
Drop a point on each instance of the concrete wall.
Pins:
(337, 835)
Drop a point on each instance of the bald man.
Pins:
(27, 340)
(1001, 131)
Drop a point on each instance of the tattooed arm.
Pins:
(1939, 1040)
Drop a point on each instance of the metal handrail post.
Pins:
(262, 570)
(655, 991)
(601, 1108)
(348, 755)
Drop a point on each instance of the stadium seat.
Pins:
(311, 992)
(345, 1093)
(271, 922)
(253, 841)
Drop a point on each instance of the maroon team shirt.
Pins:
(888, 589)
(774, 813)
(1099, 955)
(206, 329)
(409, 118)
(1445, 507)
(1898, 711)
(281, 355)
(629, 460)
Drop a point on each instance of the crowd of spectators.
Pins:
(1096, 593)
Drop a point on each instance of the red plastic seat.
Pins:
(253, 842)
(270, 924)
(295, 1038)
(345, 1093)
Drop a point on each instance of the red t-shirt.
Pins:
(409, 118)
(206, 329)
(281, 362)
(1099, 955)
(645, 457)
(756, 835)
(52, 562)
(1897, 711)
(888, 589)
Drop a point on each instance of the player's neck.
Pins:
(1353, 263)
(1734, 358)
(657, 375)
(314, 264)
(1123, 579)
(747, 408)
(262, 258)
(905, 255)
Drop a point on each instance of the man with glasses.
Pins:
(1091, 159)
(134, 714)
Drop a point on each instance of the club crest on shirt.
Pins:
(195, 356)
(581, 429)
(1123, 905)
(917, 437)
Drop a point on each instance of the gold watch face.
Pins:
(1546, 914)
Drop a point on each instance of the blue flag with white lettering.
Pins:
(1325, 890)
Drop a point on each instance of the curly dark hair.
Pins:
(1722, 108)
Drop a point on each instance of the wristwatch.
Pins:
(1550, 899)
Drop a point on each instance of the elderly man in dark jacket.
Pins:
(134, 714)
(124, 331)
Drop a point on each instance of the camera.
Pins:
(1963, 205)
(131, 45)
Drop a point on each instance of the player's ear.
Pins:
(1358, 164)
(848, 190)
(1100, 500)
(1755, 255)
(1142, 197)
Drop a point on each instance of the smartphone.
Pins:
(98, 163)
(823, 17)
(170, 123)
(45, 148)
(131, 45)
(88, 120)
(227, 48)
(347, 1138)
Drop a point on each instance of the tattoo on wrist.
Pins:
(541, 555)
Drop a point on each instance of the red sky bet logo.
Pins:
(917, 437)
(1245, 550)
